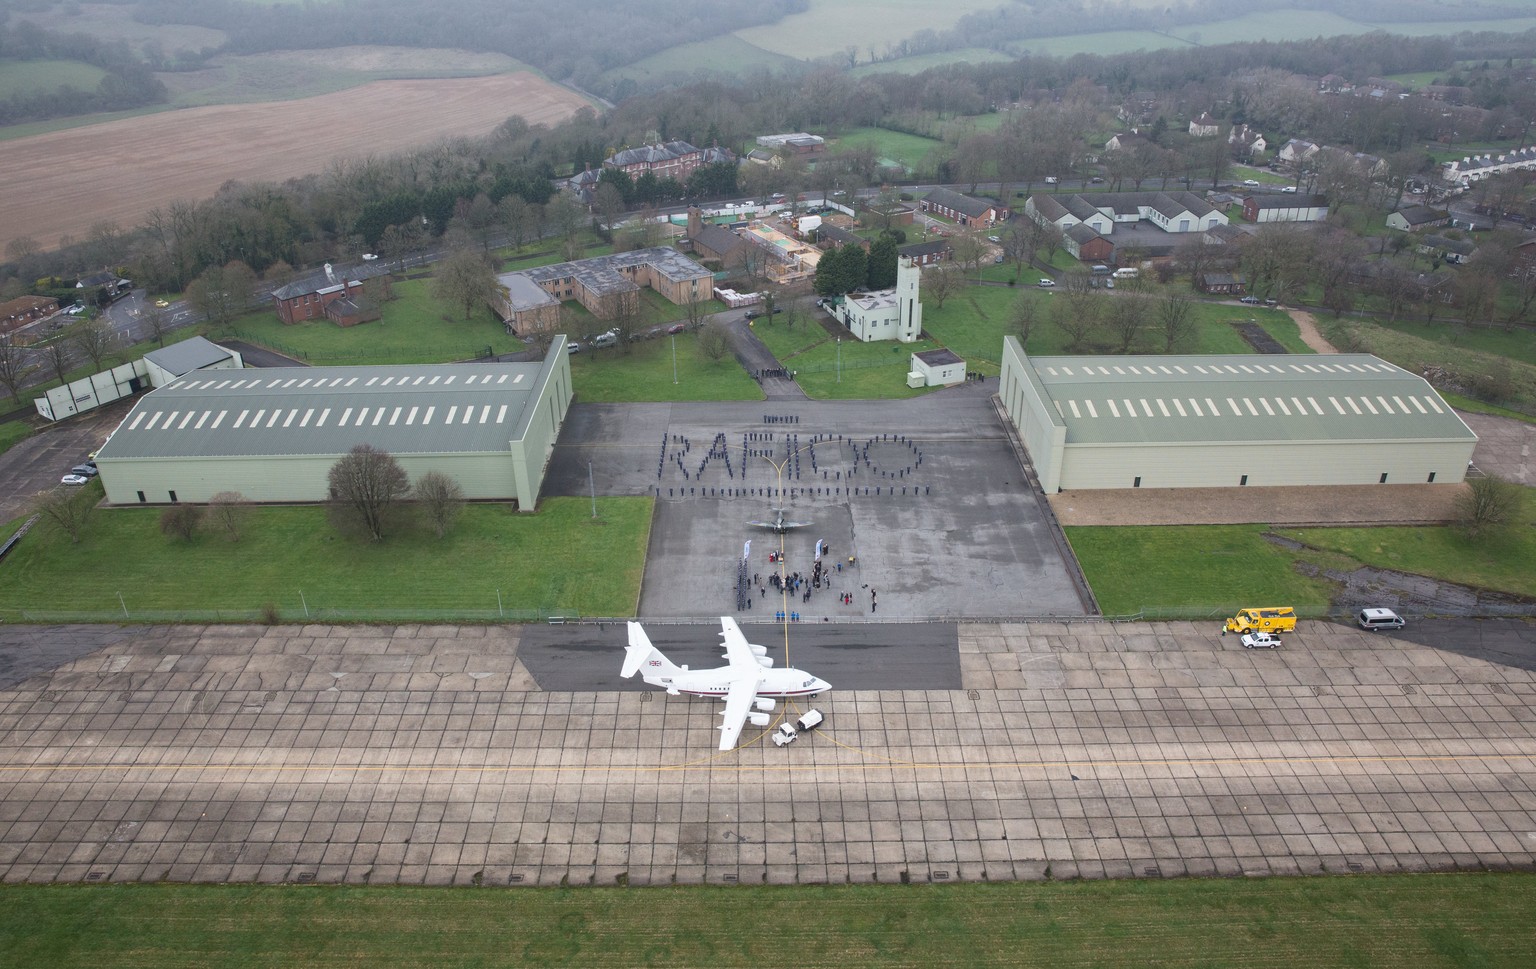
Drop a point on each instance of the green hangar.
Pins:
(1229, 421)
(273, 434)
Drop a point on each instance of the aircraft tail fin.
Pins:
(641, 654)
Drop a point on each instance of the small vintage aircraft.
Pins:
(779, 524)
(749, 681)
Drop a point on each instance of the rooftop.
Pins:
(421, 409)
(187, 356)
(1243, 399)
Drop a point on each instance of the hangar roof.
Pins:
(422, 409)
(188, 355)
(1243, 399)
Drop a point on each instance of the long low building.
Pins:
(1219, 421)
(273, 434)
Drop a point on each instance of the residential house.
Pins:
(1371, 166)
(1245, 142)
(1222, 284)
(1417, 217)
(1204, 126)
(926, 253)
(963, 209)
(1334, 84)
(1285, 208)
(1453, 251)
(715, 243)
(1478, 167)
(1139, 109)
(17, 313)
(1446, 93)
(309, 297)
(828, 235)
(1124, 141)
(1297, 152)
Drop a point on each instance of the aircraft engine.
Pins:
(765, 661)
(759, 719)
(758, 650)
(766, 703)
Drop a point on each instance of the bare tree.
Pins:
(94, 339)
(158, 323)
(1175, 321)
(365, 487)
(1023, 314)
(714, 342)
(222, 292)
(442, 499)
(969, 247)
(940, 283)
(464, 279)
(56, 358)
(1078, 315)
(1486, 501)
(228, 510)
(181, 521)
(69, 509)
(1127, 317)
(15, 367)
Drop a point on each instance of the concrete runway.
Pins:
(430, 755)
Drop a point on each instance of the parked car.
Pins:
(573, 347)
(1260, 641)
(1251, 182)
(754, 314)
(1047, 282)
(85, 470)
(370, 256)
(1250, 300)
(1096, 180)
(676, 328)
(1051, 180)
(74, 479)
(1289, 190)
(161, 303)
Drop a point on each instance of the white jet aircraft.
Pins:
(749, 681)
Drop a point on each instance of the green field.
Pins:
(558, 560)
(1107, 43)
(922, 62)
(723, 55)
(645, 373)
(910, 151)
(829, 26)
(1460, 350)
(1472, 921)
(289, 75)
(1198, 570)
(32, 77)
(13, 432)
(848, 370)
(415, 328)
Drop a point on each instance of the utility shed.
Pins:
(1217, 421)
(273, 434)
(180, 359)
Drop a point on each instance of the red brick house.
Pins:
(18, 312)
(310, 297)
(963, 209)
(926, 253)
(674, 159)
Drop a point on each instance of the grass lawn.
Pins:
(559, 560)
(1360, 921)
(727, 55)
(645, 374)
(1503, 558)
(1201, 570)
(974, 322)
(868, 371)
(826, 27)
(1401, 345)
(416, 328)
(918, 63)
(897, 146)
(1478, 407)
(1198, 571)
(13, 433)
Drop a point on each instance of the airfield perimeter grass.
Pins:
(869, 371)
(1360, 921)
(1200, 570)
(898, 146)
(559, 560)
(13, 433)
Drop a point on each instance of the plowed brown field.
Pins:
(64, 181)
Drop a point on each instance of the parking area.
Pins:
(925, 495)
(38, 463)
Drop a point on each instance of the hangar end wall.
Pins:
(1026, 403)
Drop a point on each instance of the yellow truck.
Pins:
(1269, 619)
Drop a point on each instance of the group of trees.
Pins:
(369, 488)
(846, 268)
(128, 82)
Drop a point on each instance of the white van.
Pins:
(1128, 273)
(609, 339)
(1379, 619)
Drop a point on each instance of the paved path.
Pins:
(429, 755)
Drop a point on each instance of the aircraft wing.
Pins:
(745, 674)
(738, 703)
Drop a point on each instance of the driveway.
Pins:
(37, 463)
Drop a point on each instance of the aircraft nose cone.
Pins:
(822, 686)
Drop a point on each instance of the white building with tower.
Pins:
(886, 314)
